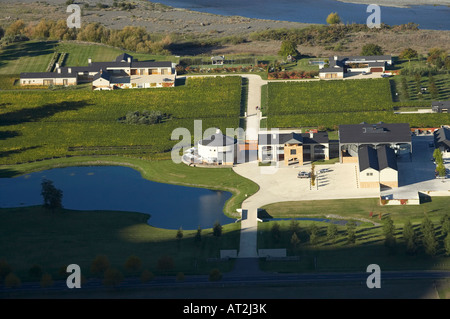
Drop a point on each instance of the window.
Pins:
(293, 152)
(369, 174)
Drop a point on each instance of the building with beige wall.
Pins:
(292, 147)
(377, 167)
(123, 72)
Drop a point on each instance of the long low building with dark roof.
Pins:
(353, 136)
(123, 72)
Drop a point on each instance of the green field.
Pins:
(35, 56)
(69, 237)
(369, 247)
(45, 124)
(328, 104)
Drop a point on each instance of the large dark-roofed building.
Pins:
(442, 140)
(352, 136)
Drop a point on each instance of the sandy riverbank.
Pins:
(400, 3)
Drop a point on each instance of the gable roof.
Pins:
(375, 133)
(442, 138)
(102, 74)
(386, 157)
(376, 158)
(279, 138)
(367, 158)
(124, 57)
(46, 75)
(217, 139)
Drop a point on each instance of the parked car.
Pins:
(384, 75)
(324, 170)
(303, 175)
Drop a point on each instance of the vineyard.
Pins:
(327, 104)
(37, 125)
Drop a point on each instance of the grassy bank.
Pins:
(337, 254)
(53, 240)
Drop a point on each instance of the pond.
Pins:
(120, 188)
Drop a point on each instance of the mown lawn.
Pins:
(326, 255)
(35, 56)
(53, 240)
(27, 56)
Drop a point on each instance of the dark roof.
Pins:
(377, 159)
(375, 133)
(367, 158)
(331, 70)
(442, 138)
(317, 138)
(439, 106)
(218, 139)
(279, 138)
(102, 74)
(46, 75)
(151, 64)
(124, 57)
(292, 138)
(386, 157)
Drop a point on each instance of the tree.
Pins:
(408, 54)
(99, 265)
(46, 281)
(313, 174)
(113, 277)
(313, 233)
(15, 28)
(146, 276)
(333, 18)
(52, 196)
(429, 241)
(179, 236)
(447, 244)
(198, 235)
(295, 241)
(165, 263)
(35, 272)
(12, 281)
(445, 226)
(351, 235)
(217, 229)
(332, 232)
(410, 237)
(371, 49)
(5, 269)
(275, 232)
(215, 275)
(437, 56)
(133, 264)
(388, 227)
(294, 226)
(288, 47)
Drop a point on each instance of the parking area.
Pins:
(417, 173)
(283, 184)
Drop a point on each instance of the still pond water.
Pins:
(123, 189)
